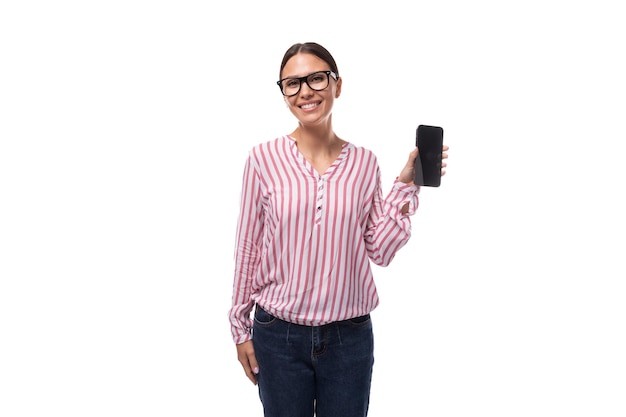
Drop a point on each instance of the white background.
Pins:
(124, 127)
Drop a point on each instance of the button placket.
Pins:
(319, 201)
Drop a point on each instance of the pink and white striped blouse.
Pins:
(304, 241)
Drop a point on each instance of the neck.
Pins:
(321, 147)
(315, 136)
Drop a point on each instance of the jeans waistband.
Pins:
(359, 318)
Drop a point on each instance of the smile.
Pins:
(309, 106)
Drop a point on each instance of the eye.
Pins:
(291, 83)
(318, 77)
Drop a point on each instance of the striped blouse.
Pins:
(304, 241)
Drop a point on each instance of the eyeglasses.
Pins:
(317, 81)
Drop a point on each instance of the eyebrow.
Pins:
(310, 73)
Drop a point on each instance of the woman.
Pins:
(312, 218)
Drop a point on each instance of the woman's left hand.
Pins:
(406, 176)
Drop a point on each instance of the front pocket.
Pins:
(360, 320)
(263, 317)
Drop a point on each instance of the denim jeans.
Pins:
(324, 371)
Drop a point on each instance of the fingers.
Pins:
(247, 358)
(444, 155)
(254, 369)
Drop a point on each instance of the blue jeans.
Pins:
(322, 370)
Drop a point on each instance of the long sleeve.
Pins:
(388, 229)
(247, 254)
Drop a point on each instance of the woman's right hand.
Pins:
(247, 358)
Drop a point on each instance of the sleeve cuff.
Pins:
(406, 193)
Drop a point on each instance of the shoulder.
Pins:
(267, 153)
(279, 142)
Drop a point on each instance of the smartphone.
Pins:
(427, 169)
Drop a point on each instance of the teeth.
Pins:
(309, 106)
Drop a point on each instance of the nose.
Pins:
(305, 90)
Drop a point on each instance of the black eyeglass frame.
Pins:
(305, 79)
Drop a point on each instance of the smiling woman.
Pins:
(312, 219)
(123, 125)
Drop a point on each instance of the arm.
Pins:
(247, 254)
(389, 225)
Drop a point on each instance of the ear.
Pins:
(338, 89)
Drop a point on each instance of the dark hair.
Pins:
(309, 48)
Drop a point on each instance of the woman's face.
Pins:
(309, 106)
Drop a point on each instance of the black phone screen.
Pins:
(427, 170)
